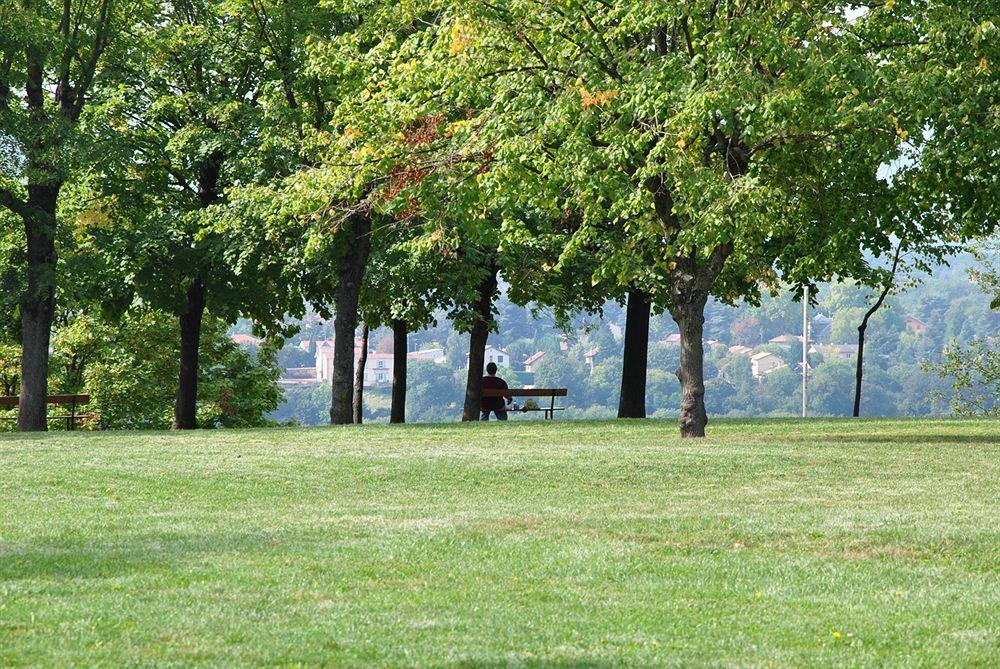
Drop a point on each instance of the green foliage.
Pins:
(973, 371)
(432, 392)
(832, 388)
(130, 368)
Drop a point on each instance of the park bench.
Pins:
(72, 418)
(551, 393)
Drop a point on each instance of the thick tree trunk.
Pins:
(186, 403)
(359, 378)
(690, 319)
(345, 304)
(632, 401)
(399, 350)
(38, 305)
(477, 347)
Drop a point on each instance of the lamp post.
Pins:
(805, 351)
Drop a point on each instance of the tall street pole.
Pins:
(805, 351)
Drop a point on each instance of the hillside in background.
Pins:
(753, 355)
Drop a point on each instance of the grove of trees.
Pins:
(170, 166)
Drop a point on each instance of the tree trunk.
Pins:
(359, 378)
(860, 366)
(632, 401)
(345, 304)
(477, 347)
(186, 404)
(399, 351)
(862, 329)
(38, 306)
(690, 318)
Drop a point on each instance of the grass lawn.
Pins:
(549, 545)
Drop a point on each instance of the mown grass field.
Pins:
(546, 545)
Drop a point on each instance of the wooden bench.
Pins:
(73, 418)
(551, 393)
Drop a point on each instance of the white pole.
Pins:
(805, 352)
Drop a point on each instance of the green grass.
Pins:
(548, 545)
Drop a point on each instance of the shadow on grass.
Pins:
(73, 558)
(902, 439)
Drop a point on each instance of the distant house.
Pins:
(531, 363)
(673, 339)
(435, 355)
(765, 362)
(839, 351)
(245, 340)
(297, 376)
(324, 358)
(820, 327)
(739, 349)
(914, 325)
(497, 355)
(785, 341)
(378, 369)
(590, 357)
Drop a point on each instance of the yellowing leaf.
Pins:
(461, 38)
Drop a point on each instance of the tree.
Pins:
(57, 53)
(888, 284)
(830, 388)
(974, 369)
(188, 126)
(130, 368)
(711, 134)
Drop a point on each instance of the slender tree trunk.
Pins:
(38, 305)
(862, 329)
(186, 403)
(359, 378)
(477, 347)
(632, 401)
(690, 318)
(399, 351)
(345, 304)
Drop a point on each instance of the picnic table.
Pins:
(72, 418)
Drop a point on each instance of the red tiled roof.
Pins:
(246, 340)
(534, 358)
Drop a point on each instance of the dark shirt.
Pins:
(493, 403)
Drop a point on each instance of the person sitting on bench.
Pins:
(494, 404)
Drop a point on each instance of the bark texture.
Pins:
(693, 274)
(345, 304)
(399, 349)
(477, 347)
(632, 400)
(38, 306)
(186, 403)
(359, 378)
(690, 319)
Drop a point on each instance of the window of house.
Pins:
(500, 359)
